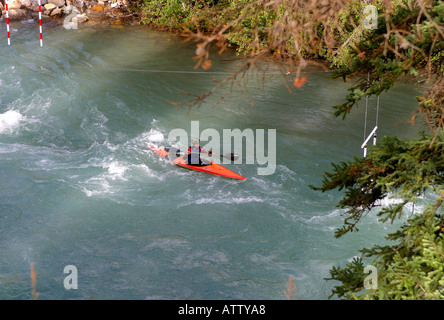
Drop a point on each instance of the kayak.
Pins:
(211, 167)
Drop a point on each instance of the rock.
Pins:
(46, 18)
(34, 8)
(97, 7)
(14, 4)
(36, 2)
(51, 22)
(79, 4)
(69, 9)
(25, 3)
(56, 12)
(58, 3)
(50, 6)
(18, 14)
(80, 18)
(117, 21)
(35, 16)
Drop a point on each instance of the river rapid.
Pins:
(80, 188)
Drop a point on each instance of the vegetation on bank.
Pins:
(407, 40)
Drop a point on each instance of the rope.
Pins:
(195, 72)
(365, 117)
(377, 111)
(169, 71)
(366, 108)
(377, 118)
(364, 145)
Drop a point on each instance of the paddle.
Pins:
(229, 156)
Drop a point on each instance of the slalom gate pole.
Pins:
(7, 22)
(364, 145)
(40, 23)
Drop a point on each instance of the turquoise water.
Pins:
(78, 185)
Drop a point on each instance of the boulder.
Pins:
(18, 14)
(51, 22)
(14, 4)
(50, 6)
(58, 3)
(67, 10)
(80, 18)
(56, 12)
(117, 21)
(79, 4)
(35, 16)
(97, 7)
(36, 2)
(25, 3)
(34, 8)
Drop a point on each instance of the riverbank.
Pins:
(71, 12)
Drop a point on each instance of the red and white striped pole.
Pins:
(40, 23)
(7, 22)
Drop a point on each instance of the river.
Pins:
(80, 188)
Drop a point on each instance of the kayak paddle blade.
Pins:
(231, 156)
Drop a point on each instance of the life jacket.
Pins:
(194, 155)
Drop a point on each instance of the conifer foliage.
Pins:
(407, 42)
(411, 267)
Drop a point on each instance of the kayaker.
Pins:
(194, 152)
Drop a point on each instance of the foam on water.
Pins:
(115, 170)
(10, 121)
(155, 136)
(236, 200)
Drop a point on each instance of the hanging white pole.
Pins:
(7, 22)
(369, 136)
(364, 145)
(40, 23)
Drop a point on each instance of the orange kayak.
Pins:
(211, 168)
